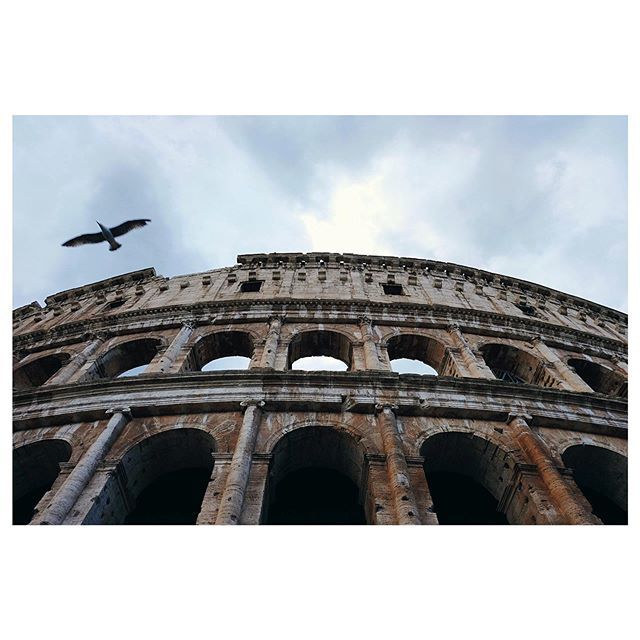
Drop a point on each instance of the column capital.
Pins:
(514, 415)
(537, 340)
(381, 406)
(453, 327)
(275, 318)
(365, 320)
(97, 335)
(124, 410)
(252, 403)
(191, 324)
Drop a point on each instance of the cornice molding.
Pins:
(176, 315)
(384, 384)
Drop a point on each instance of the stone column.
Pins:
(569, 379)
(215, 488)
(68, 371)
(476, 368)
(397, 469)
(385, 363)
(255, 493)
(65, 469)
(236, 485)
(82, 473)
(271, 343)
(168, 358)
(536, 452)
(421, 490)
(379, 503)
(371, 360)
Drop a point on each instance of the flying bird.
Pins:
(107, 234)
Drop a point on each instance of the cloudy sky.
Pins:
(539, 198)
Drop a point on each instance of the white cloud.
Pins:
(540, 199)
(584, 190)
(405, 193)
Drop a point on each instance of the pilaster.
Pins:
(165, 363)
(537, 454)
(371, 358)
(569, 379)
(475, 366)
(215, 488)
(271, 343)
(398, 472)
(70, 372)
(78, 479)
(236, 484)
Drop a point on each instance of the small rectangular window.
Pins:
(251, 286)
(392, 289)
(113, 304)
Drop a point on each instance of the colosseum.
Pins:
(198, 399)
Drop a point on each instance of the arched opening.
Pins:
(602, 477)
(134, 371)
(124, 358)
(161, 480)
(599, 378)
(467, 476)
(407, 365)
(172, 498)
(515, 365)
(320, 343)
(415, 354)
(227, 363)
(221, 351)
(319, 363)
(37, 372)
(35, 469)
(315, 477)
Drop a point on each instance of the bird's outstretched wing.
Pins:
(87, 238)
(125, 227)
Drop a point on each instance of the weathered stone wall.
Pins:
(513, 414)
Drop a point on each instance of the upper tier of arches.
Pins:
(362, 346)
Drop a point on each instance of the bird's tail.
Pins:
(117, 245)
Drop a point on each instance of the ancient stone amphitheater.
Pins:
(524, 423)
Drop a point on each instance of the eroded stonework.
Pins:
(529, 405)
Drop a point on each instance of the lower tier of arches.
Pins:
(309, 470)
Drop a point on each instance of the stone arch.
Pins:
(600, 378)
(601, 474)
(66, 433)
(361, 438)
(492, 434)
(37, 371)
(219, 344)
(317, 475)
(415, 346)
(36, 466)
(123, 356)
(320, 342)
(159, 479)
(512, 364)
(570, 440)
(471, 477)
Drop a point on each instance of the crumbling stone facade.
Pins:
(528, 408)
